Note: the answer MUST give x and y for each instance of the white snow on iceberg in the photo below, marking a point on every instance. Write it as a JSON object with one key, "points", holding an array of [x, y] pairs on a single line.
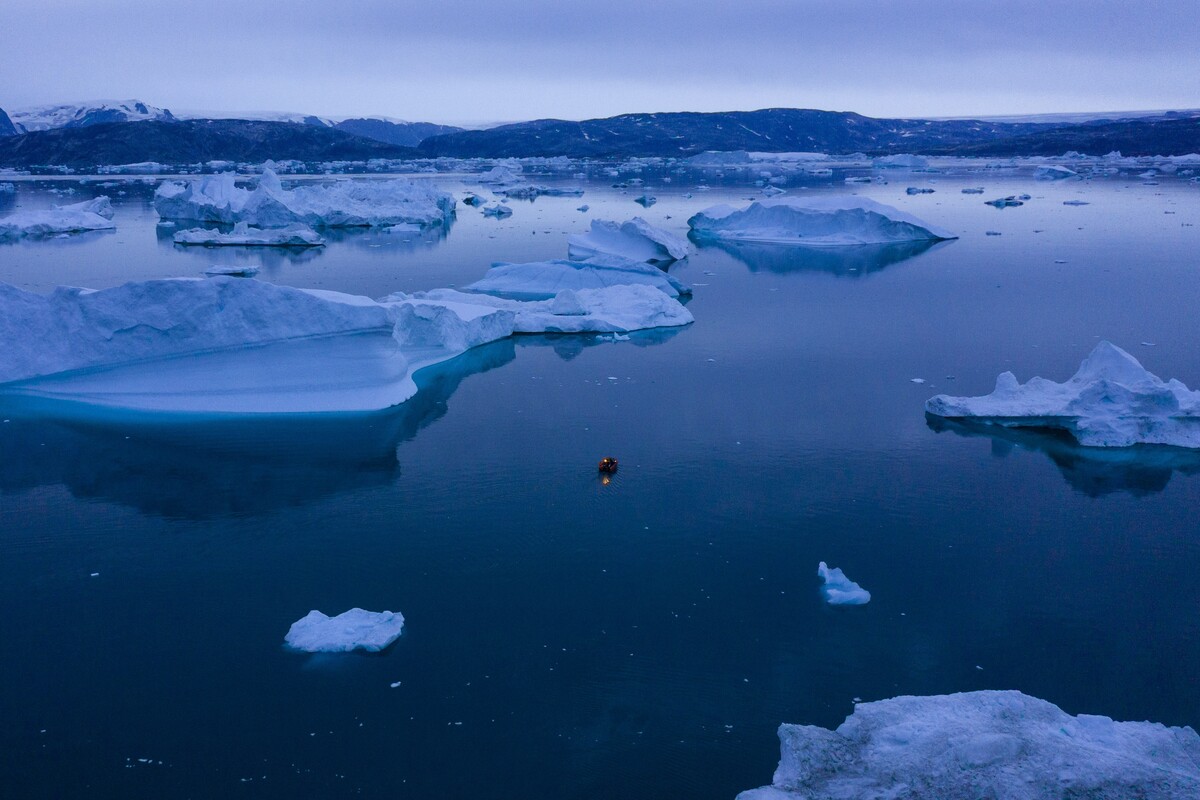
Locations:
{"points": [[542, 280], [338, 204], [815, 222], [296, 235], [355, 629], [840, 590], [636, 239], [1111, 401], [1001, 744], [90, 215]]}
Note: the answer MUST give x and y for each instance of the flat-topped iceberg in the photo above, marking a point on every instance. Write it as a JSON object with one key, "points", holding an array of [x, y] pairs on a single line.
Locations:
{"points": [[840, 590], [90, 215], [338, 204], [612, 309], [994, 744], [1053, 172], [355, 629], [832, 221], [1112, 401], [636, 239], [242, 235], [542, 280]]}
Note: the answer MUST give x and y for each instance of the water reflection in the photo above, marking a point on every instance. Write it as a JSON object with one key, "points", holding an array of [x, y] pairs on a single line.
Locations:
{"points": [[569, 345], [853, 262], [1094, 471], [197, 468]]}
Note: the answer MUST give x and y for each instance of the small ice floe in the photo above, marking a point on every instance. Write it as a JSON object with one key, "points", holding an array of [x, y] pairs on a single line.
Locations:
{"points": [[295, 235], [232, 270], [1111, 401], [911, 190], [973, 190], [646, 200], [844, 220], [1060, 261], [90, 215], [1005, 202], [355, 629], [982, 744], [395, 685], [473, 200], [917, 380], [498, 211], [840, 590], [1076, 203], [992, 233], [636, 239], [584, 208], [1053, 172]]}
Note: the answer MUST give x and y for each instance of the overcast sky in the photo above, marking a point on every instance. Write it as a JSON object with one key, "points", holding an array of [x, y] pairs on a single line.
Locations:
{"points": [[498, 60]]}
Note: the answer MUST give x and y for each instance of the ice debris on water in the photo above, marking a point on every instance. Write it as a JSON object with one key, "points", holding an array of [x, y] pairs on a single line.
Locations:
{"points": [[355, 629], [844, 220], [1111, 401], [1012, 201], [995, 744], [840, 590]]}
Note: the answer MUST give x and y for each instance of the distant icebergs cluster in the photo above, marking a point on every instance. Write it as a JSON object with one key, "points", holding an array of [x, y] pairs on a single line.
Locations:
{"points": [[1111, 401], [91, 215], [1001, 744]]}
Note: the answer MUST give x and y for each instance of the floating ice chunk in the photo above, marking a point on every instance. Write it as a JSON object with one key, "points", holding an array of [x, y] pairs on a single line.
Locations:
{"points": [[773, 191], [1075, 202], [911, 190], [295, 235], [7, 188], [505, 181], [584, 208], [355, 629], [1053, 172], [497, 211], [973, 190], [636, 239], [233, 271], [815, 222], [610, 309], [840, 590], [1005, 202], [542, 280], [903, 160], [1112, 401], [90, 215], [1001, 744], [645, 201], [339, 204]]}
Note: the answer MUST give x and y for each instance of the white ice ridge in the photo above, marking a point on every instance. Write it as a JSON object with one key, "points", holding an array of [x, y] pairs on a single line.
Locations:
{"points": [[295, 235], [636, 239], [814, 221], [90, 215], [355, 629], [994, 744], [339, 204], [840, 590], [542, 280], [1112, 401]]}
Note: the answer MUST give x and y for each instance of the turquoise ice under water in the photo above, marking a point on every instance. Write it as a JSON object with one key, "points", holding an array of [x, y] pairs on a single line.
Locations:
{"points": [[641, 638]]}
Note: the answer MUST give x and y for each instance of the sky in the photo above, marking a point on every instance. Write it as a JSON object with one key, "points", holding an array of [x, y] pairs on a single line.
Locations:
{"points": [[477, 61]]}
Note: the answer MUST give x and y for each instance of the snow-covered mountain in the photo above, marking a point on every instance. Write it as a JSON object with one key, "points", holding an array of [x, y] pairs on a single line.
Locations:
{"points": [[80, 115]]}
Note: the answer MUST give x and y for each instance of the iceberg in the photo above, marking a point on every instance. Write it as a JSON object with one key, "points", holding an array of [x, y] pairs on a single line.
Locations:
{"points": [[973, 190], [1012, 201], [611, 309], [295, 235], [834, 221], [505, 181], [911, 190], [248, 271], [355, 629], [840, 590], [542, 280], [902, 161], [1053, 172], [90, 215], [339, 204], [498, 211], [1111, 401], [636, 239], [994, 744]]}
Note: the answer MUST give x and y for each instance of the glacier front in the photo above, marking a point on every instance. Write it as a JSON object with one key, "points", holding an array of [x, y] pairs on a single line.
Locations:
{"points": [[1111, 401], [986, 744]]}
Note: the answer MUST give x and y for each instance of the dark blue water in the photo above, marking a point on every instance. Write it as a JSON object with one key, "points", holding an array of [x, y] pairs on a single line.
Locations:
{"points": [[642, 638]]}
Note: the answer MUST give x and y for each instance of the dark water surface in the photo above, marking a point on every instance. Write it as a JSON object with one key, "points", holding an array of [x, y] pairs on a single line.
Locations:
{"points": [[571, 639]]}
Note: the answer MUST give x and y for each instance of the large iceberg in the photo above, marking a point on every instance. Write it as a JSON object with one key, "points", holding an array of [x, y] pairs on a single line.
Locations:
{"points": [[90, 215], [542, 280], [831, 221], [1112, 401], [355, 629], [242, 235], [636, 239], [840, 590], [987, 744], [339, 204]]}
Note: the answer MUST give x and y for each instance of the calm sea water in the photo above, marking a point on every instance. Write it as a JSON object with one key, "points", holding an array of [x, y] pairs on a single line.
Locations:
{"points": [[567, 638]]}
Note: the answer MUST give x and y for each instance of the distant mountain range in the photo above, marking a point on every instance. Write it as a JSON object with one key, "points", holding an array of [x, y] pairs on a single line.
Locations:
{"points": [[89, 134], [189, 142], [790, 129]]}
